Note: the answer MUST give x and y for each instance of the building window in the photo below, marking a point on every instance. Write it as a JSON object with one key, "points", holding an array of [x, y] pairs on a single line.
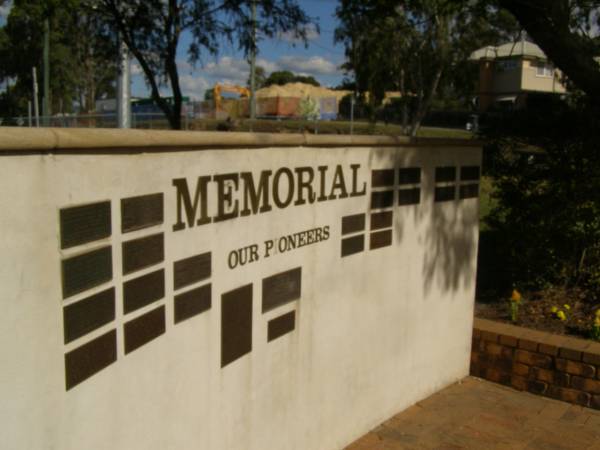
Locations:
{"points": [[544, 70]]}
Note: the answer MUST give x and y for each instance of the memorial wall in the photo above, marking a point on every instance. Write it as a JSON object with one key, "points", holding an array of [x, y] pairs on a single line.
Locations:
{"points": [[173, 290]]}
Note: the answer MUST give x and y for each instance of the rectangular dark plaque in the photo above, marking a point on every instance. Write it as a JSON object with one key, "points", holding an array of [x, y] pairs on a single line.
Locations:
{"points": [[143, 252], [90, 358], [352, 245], [141, 212], [143, 290], [192, 303], [383, 199], [281, 325], [468, 173], [82, 224], [353, 224], [444, 194], [409, 175], [447, 173], [236, 324], [409, 196], [381, 239], [469, 191], [383, 177], [381, 220], [191, 270], [86, 271], [281, 288], [88, 314], [144, 329]]}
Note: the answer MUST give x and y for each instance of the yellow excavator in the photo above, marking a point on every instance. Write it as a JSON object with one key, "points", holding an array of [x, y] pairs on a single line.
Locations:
{"points": [[244, 92]]}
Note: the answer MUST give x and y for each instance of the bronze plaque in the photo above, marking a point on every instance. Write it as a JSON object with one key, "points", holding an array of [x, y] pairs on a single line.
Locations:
{"points": [[281, 325], [141, 212], [88, 314], [468, 173], [192, 303], [447, 173], [191, 270], [143, 290], [469, 191], [90, 358], [409, 175], [144, 329], [381, 239], [352, 245], [381, 220], [444, 194], [383, 177], [86, 271], [384, 199], [353, 224], [143, 252], [236, 324], [281, 288], [82, 224], [409, 196]]}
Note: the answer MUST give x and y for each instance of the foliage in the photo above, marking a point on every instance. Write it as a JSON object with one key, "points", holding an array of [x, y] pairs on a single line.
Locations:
{"points": [[282, 77], [546, 165], [260, 76], [419, 47], [152, 30], [309, 109], [82, 67]]}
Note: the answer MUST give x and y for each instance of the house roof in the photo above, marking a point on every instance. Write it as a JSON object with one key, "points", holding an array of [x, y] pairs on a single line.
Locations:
{"points": [[519, 48]]}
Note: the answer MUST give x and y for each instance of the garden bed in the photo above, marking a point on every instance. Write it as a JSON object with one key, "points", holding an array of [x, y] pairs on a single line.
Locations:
{"points": [[541, 311]]}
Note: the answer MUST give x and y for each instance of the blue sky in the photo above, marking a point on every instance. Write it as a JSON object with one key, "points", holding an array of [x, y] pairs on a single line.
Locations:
{"points": [[321, 58]]}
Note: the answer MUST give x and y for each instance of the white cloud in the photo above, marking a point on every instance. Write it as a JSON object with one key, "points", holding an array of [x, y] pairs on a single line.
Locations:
{"points": [[227, 68], [269, 66], [193, 86], [292, 38], [314, 65], [136, 69]]}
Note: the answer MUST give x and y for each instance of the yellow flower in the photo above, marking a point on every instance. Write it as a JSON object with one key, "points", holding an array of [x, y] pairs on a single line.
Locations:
{"points": [[597, 322], [598, 313], [516, 296], [554, 310], [561, 315], [567, 307]]}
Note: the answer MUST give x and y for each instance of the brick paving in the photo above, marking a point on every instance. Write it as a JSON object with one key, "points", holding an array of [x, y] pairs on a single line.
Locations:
{"points": [[478, 414]]}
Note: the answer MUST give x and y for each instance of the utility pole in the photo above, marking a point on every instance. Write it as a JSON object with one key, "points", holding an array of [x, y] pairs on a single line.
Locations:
{"points": [[46, 108], [124, 87], [253, 65], [36, 107]]}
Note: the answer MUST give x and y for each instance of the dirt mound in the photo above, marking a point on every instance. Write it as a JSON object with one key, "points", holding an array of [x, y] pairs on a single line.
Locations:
{"points": [[300, 90]]}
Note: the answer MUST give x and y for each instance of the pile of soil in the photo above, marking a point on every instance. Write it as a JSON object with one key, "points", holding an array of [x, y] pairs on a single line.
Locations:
{"points": [[535, 311]]}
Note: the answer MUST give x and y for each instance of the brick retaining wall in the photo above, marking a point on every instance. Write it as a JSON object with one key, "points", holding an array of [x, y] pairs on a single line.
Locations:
{"points": [[546, 364]]}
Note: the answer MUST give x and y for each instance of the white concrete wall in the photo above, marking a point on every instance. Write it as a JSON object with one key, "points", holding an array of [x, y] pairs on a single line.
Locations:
{"points": [[375, 331]]}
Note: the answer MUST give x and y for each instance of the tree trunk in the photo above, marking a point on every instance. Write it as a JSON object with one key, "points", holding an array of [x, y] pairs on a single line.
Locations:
{"points": [[424, 106], [547, 22], [404, 102]]}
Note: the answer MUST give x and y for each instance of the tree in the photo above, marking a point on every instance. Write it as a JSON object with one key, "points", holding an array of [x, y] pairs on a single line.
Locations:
{"points": [[281, 77], [563, 29], [82, 62], [260, 76], [415, 46], [152, 30]]}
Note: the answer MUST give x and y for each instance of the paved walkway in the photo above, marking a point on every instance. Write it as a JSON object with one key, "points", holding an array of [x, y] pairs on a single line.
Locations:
{"points": [[477, 414]]}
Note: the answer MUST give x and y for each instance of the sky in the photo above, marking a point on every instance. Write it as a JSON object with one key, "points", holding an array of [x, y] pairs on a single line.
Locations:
{"points": [[321, 58]]}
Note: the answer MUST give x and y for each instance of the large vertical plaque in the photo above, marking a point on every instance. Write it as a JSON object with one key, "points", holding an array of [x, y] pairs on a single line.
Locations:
{"points": [[236, 324]]}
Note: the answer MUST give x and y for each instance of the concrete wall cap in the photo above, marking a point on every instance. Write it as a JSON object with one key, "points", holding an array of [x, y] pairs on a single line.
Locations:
{"points": [[50, 140]]}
